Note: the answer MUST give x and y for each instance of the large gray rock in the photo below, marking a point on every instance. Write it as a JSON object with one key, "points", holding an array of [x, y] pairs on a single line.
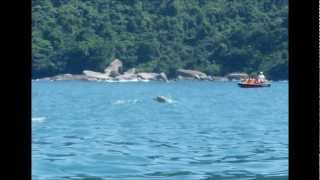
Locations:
{"points": [[163, 76], [96, 75], [131, 71], [186, 73], [126, 76], [65, 77], [114, 69], [76, 77], [237, 76], [148, 76], [179, 77], [45, 78], [152, 76]]}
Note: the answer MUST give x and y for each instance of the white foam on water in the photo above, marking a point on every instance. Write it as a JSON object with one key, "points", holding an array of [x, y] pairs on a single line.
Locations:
{"points": [[144, 80], [125, 81], [133, 80], [38, 119], [130, 101], [171, 101], [110, 81], [119, 102]]}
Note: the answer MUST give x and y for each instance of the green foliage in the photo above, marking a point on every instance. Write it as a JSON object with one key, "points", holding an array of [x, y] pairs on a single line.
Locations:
{"points": [[216, 37]]}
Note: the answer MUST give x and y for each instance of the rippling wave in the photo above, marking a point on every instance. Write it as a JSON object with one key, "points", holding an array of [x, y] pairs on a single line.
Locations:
{"points": [[133, 101]]}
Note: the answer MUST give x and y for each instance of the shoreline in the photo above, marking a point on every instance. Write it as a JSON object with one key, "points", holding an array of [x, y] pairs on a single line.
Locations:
{"points": [[114, 73], [141, 80]]}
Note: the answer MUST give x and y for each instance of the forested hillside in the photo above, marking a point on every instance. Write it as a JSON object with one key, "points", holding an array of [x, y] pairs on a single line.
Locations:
{"points": [[213, 36]]}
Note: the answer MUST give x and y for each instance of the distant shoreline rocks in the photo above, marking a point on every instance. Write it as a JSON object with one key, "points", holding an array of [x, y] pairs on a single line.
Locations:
{"points": [[114, 73], [114, 69], [64, 77], [187, 74], [237, 76]]}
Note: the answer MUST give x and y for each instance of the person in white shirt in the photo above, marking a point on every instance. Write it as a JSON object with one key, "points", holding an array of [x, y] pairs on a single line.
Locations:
{"points": [[261, 77]]}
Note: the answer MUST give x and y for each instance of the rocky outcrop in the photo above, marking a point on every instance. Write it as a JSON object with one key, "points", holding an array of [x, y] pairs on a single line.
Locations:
{"points": [[126, 76], [163, 76], [114, 69], [187, 74], [96, 75], [113, 72], [131, 71], [179, 77], [65, 77], [148, 76], [152, 76], [237, 76]]}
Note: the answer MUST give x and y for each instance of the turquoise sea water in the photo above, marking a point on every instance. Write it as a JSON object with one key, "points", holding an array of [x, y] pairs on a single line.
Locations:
{"points": [[210, 130]]}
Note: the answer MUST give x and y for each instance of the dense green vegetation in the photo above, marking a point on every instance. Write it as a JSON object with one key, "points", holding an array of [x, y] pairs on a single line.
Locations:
{"points": [[213, 36]]}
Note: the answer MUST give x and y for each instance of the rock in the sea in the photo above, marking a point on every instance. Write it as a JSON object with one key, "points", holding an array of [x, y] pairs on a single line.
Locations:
{"points": [[237, 76], [179, 77], [126, 76], [148, 76], [65, 77], [96, 75], [78, 77], [152, 76], [186, 73], [131, 71], [45, 79], [163, 76], [114, 69]]}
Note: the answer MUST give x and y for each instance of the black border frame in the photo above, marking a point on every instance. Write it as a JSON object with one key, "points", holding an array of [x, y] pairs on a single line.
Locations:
{"points": [[20, 59], [303, 90]]}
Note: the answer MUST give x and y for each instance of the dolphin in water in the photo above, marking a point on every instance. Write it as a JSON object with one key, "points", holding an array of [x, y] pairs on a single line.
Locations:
{"points": [[162, 99]]}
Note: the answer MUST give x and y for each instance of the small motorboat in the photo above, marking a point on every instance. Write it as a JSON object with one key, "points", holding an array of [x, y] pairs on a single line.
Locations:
{"points": [[254, 85], [255, 82]]}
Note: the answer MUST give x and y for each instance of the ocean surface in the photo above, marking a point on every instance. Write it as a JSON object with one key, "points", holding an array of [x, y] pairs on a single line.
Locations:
{"points": [[208, 131]]}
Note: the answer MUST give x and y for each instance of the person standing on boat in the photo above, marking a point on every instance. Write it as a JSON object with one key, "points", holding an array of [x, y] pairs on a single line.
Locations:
{"points": [[261, 77]]}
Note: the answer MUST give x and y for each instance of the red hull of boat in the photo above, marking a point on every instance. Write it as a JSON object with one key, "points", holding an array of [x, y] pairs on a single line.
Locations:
{"points": [[245, 85]]}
